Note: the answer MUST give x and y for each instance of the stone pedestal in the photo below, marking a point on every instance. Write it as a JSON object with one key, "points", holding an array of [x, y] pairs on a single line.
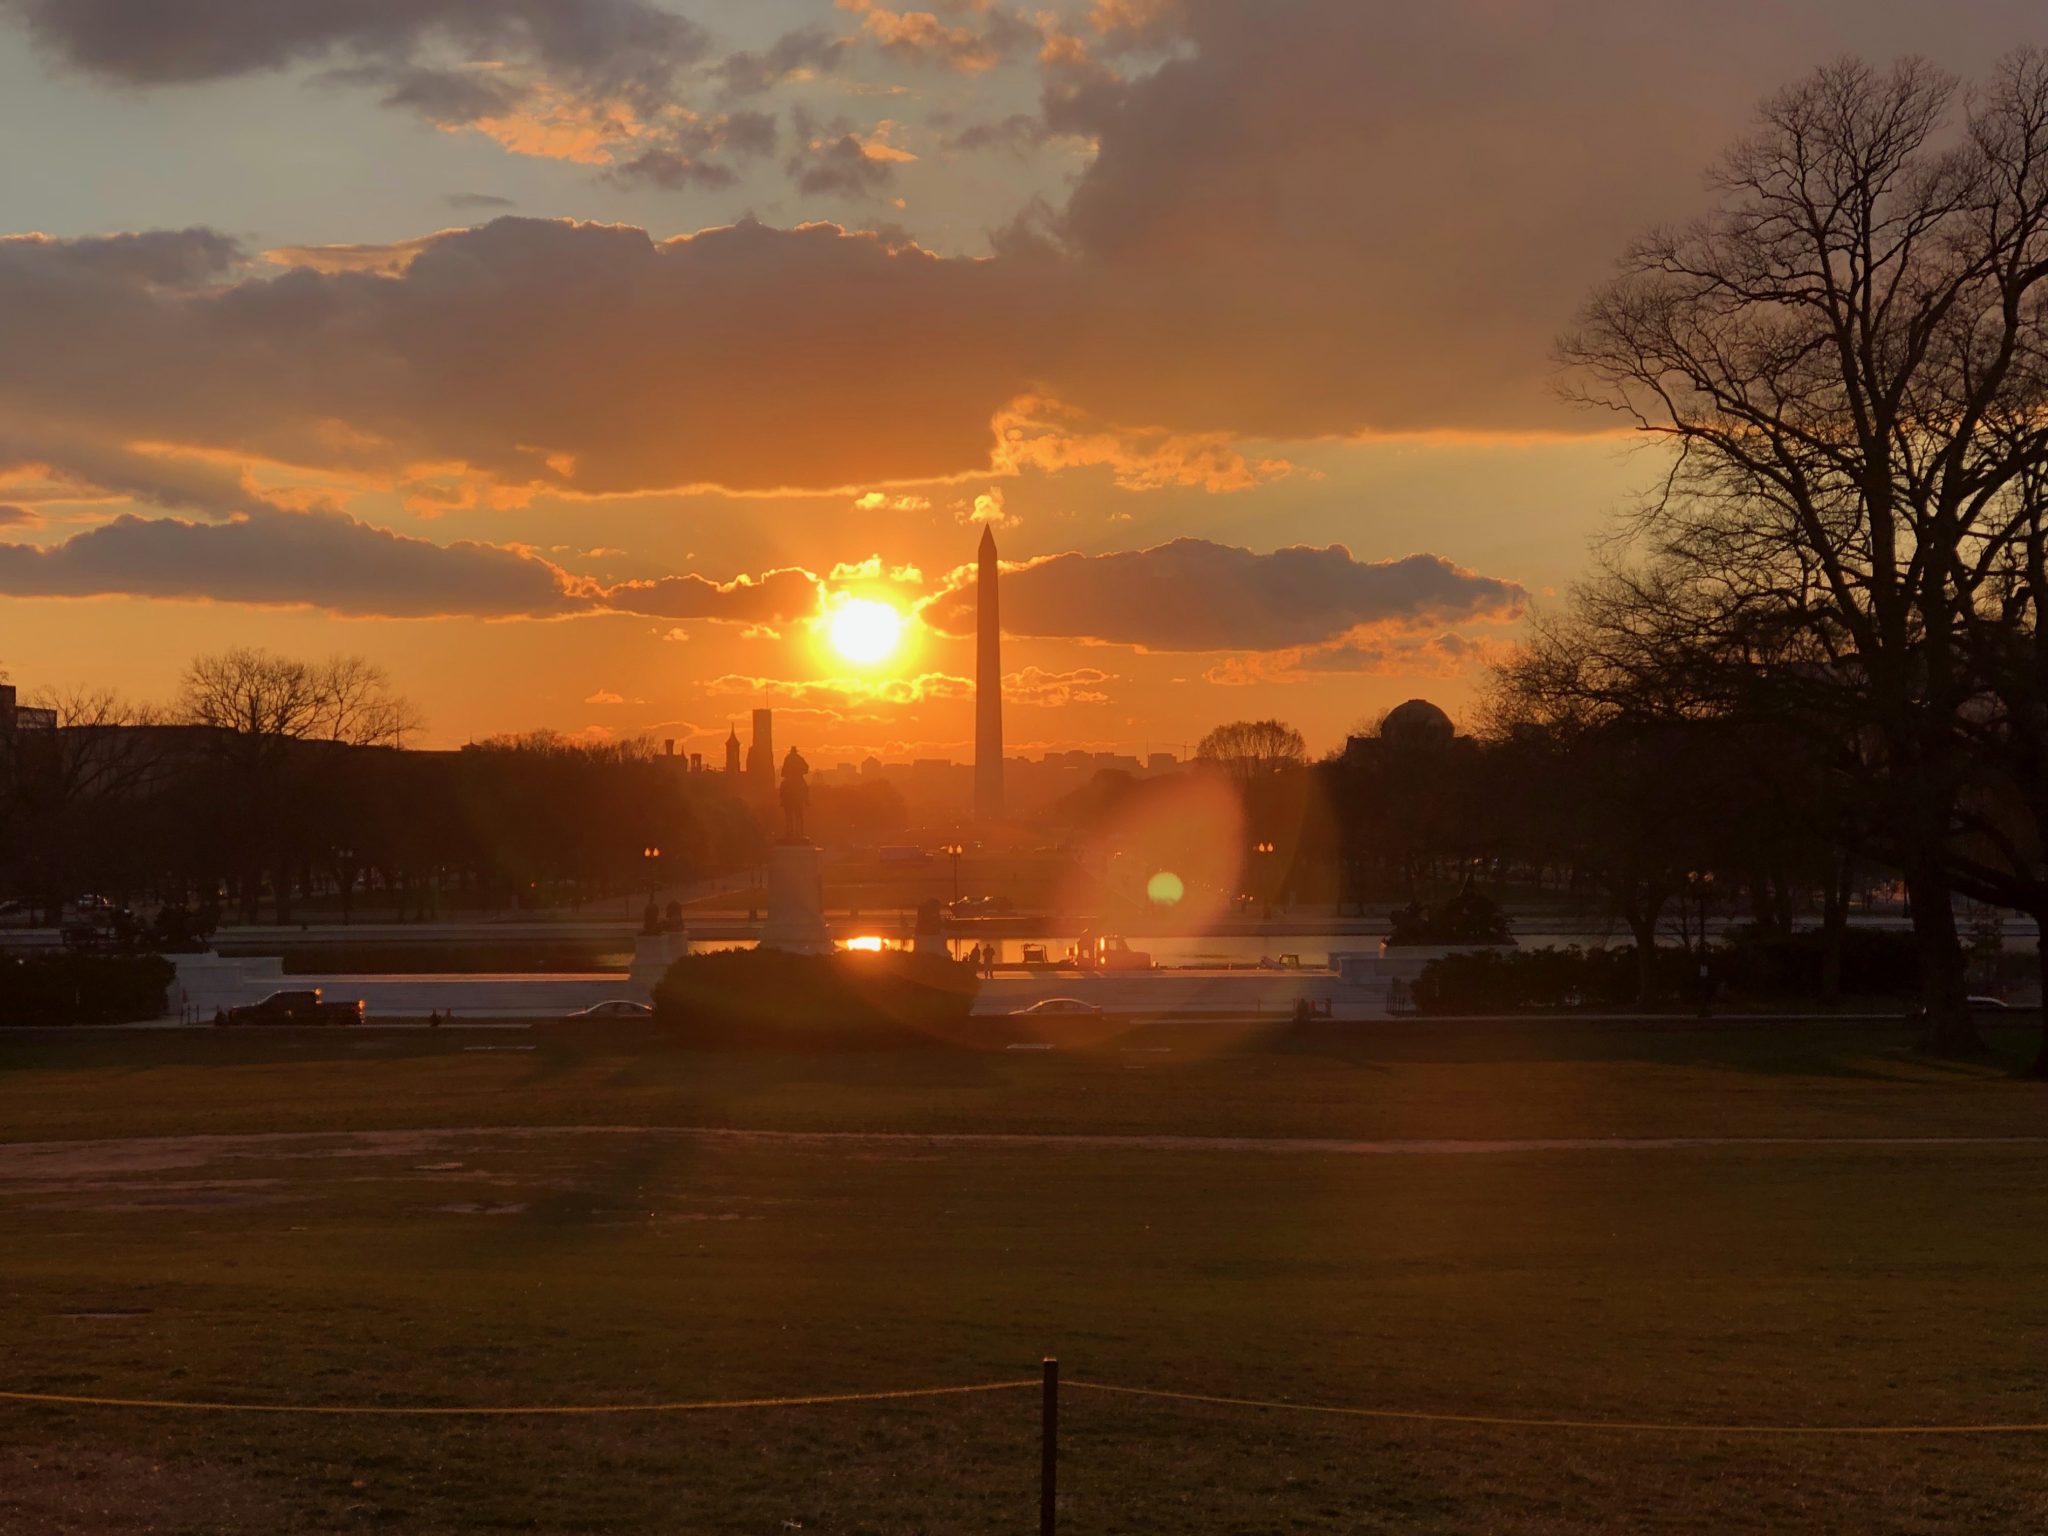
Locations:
{"points": [[653, 954], [796, 901]]}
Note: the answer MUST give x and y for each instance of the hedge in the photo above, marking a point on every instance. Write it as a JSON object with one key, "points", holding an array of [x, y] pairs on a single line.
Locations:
{"points": [[70, 987], [771, 999], [1873, 964]]}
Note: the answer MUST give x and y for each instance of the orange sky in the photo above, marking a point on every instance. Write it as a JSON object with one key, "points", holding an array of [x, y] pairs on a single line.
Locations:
{"points": [[571, 371]]}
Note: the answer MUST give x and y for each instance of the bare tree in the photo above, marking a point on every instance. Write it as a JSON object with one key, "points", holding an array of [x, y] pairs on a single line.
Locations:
{"points": [[64, 780], [277, 723], [1847, 357], [1253, 749]]}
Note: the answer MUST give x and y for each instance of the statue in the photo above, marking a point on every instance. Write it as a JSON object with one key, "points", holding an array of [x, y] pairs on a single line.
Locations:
{"points": [[796, 794]]}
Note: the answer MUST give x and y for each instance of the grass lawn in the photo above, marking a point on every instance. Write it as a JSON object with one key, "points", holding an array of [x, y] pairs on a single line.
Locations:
{"points": [[398, 1224]]}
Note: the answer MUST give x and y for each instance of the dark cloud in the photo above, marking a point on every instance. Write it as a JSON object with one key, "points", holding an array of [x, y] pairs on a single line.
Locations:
{"points": [[317, 560], [545, 77], [835, 162], [537, 352], [773, 597], [1018, 133], [95, 470], [1304, 219], [1322, 216], [1194, 595], [162, 42], [469, 200], [157, 258], [682, 160], [810, 50], [19, 517]]}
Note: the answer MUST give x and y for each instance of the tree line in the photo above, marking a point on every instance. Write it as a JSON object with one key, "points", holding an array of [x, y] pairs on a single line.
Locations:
{"points": [[270, 778]]}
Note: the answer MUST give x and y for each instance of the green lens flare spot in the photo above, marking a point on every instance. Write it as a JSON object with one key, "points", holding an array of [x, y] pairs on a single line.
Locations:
{"points": [[1165, 889]]}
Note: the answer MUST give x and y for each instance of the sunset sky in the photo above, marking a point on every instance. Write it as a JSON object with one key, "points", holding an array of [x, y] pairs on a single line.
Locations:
{"points": [[580, 363]]}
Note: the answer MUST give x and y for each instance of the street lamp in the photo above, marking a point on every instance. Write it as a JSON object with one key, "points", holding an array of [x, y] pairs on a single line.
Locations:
{"points": [[955, 849]]}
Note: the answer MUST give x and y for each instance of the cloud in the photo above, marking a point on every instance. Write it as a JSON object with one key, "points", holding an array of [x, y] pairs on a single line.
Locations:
{"points": [[1366, 650], [879, 501], [839, 162], [798, 55], [290, 559], [585, 82], [1302, 220], [1045, 435], [1194, 595], [474, 200], [987, 508], [19, 517], [1037, 686], [605, 696], [534, 352], [682, 156], [775, 596], [845, 690], [922, 37]]}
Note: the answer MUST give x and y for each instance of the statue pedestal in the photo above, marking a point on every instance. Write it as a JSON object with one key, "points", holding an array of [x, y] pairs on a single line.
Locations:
{"points": [[796, 901], [653, 954]]}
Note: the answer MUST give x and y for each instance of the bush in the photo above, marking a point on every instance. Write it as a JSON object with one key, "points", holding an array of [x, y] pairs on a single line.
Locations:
{"points": [[1874, 964], [76, 988], [1529, 979], [773, 1000], [1467, 918]]}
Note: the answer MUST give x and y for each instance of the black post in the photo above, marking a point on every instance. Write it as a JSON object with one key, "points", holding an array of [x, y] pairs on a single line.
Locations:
{"points": [[1048, 1450]]}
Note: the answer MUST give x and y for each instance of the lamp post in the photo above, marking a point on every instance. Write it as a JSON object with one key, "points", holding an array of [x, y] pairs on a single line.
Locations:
{"points": [[955, 849], [651, 857]]}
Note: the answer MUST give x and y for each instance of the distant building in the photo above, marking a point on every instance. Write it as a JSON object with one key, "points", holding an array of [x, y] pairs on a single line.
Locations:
{"points": [[1414, 724], [1161, 762], [761, 755], [732, 751]]}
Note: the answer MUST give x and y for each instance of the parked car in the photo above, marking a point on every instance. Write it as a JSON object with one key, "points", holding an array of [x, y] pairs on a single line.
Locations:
{"points": [[302, 1007], [1055, 1007], [1977, 1004], [616, 1008]]}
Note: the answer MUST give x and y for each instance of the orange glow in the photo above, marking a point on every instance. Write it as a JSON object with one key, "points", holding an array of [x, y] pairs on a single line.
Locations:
{"points": [[864, 630]]}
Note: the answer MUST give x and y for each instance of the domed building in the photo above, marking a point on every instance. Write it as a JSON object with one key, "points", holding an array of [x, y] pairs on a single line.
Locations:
{"points": [[1417, 723]]}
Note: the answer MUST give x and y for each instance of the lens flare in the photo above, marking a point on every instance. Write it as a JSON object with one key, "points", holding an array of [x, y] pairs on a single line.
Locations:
{"points": [[1165, 889], [864, 631]]}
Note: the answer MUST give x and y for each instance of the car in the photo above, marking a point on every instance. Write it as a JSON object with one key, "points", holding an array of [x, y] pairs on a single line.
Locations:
{"points": [[1055, 1007], [1976, 1002], [616, 1008], [305, 1006]]}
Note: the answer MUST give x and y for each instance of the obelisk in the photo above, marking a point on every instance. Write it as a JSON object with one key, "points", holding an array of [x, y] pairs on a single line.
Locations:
{"points": [[988, 687]]}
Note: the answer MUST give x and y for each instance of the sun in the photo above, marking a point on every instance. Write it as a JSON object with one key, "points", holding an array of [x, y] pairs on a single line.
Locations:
{"points": [[864, 631]]}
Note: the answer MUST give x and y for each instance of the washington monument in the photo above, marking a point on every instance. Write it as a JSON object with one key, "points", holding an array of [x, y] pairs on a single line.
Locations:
{"points": [[988, 687]]}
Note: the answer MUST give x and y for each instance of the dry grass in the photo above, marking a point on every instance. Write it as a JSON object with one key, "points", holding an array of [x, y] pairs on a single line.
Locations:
{"points": [[1790, 1283]]}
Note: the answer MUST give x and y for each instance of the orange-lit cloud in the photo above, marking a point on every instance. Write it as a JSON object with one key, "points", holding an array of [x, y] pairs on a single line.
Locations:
{"points": [[1195, 595]]}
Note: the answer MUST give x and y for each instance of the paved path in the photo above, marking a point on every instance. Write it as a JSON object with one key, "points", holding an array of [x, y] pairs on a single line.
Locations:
{"points": [[39, 1158]]}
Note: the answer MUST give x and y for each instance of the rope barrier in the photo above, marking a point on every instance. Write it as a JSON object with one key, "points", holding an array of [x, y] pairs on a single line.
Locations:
{"points": [[1507, 1421], [556, 1410], [1214, 1400]]}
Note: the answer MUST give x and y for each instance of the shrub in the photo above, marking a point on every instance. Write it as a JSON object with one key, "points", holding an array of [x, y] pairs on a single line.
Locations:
{"points": [[77, 988], [770, 999], [1494, 982]]}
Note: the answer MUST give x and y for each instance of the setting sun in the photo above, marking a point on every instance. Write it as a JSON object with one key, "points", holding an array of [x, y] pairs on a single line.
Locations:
{"points": [[864, 631]]}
